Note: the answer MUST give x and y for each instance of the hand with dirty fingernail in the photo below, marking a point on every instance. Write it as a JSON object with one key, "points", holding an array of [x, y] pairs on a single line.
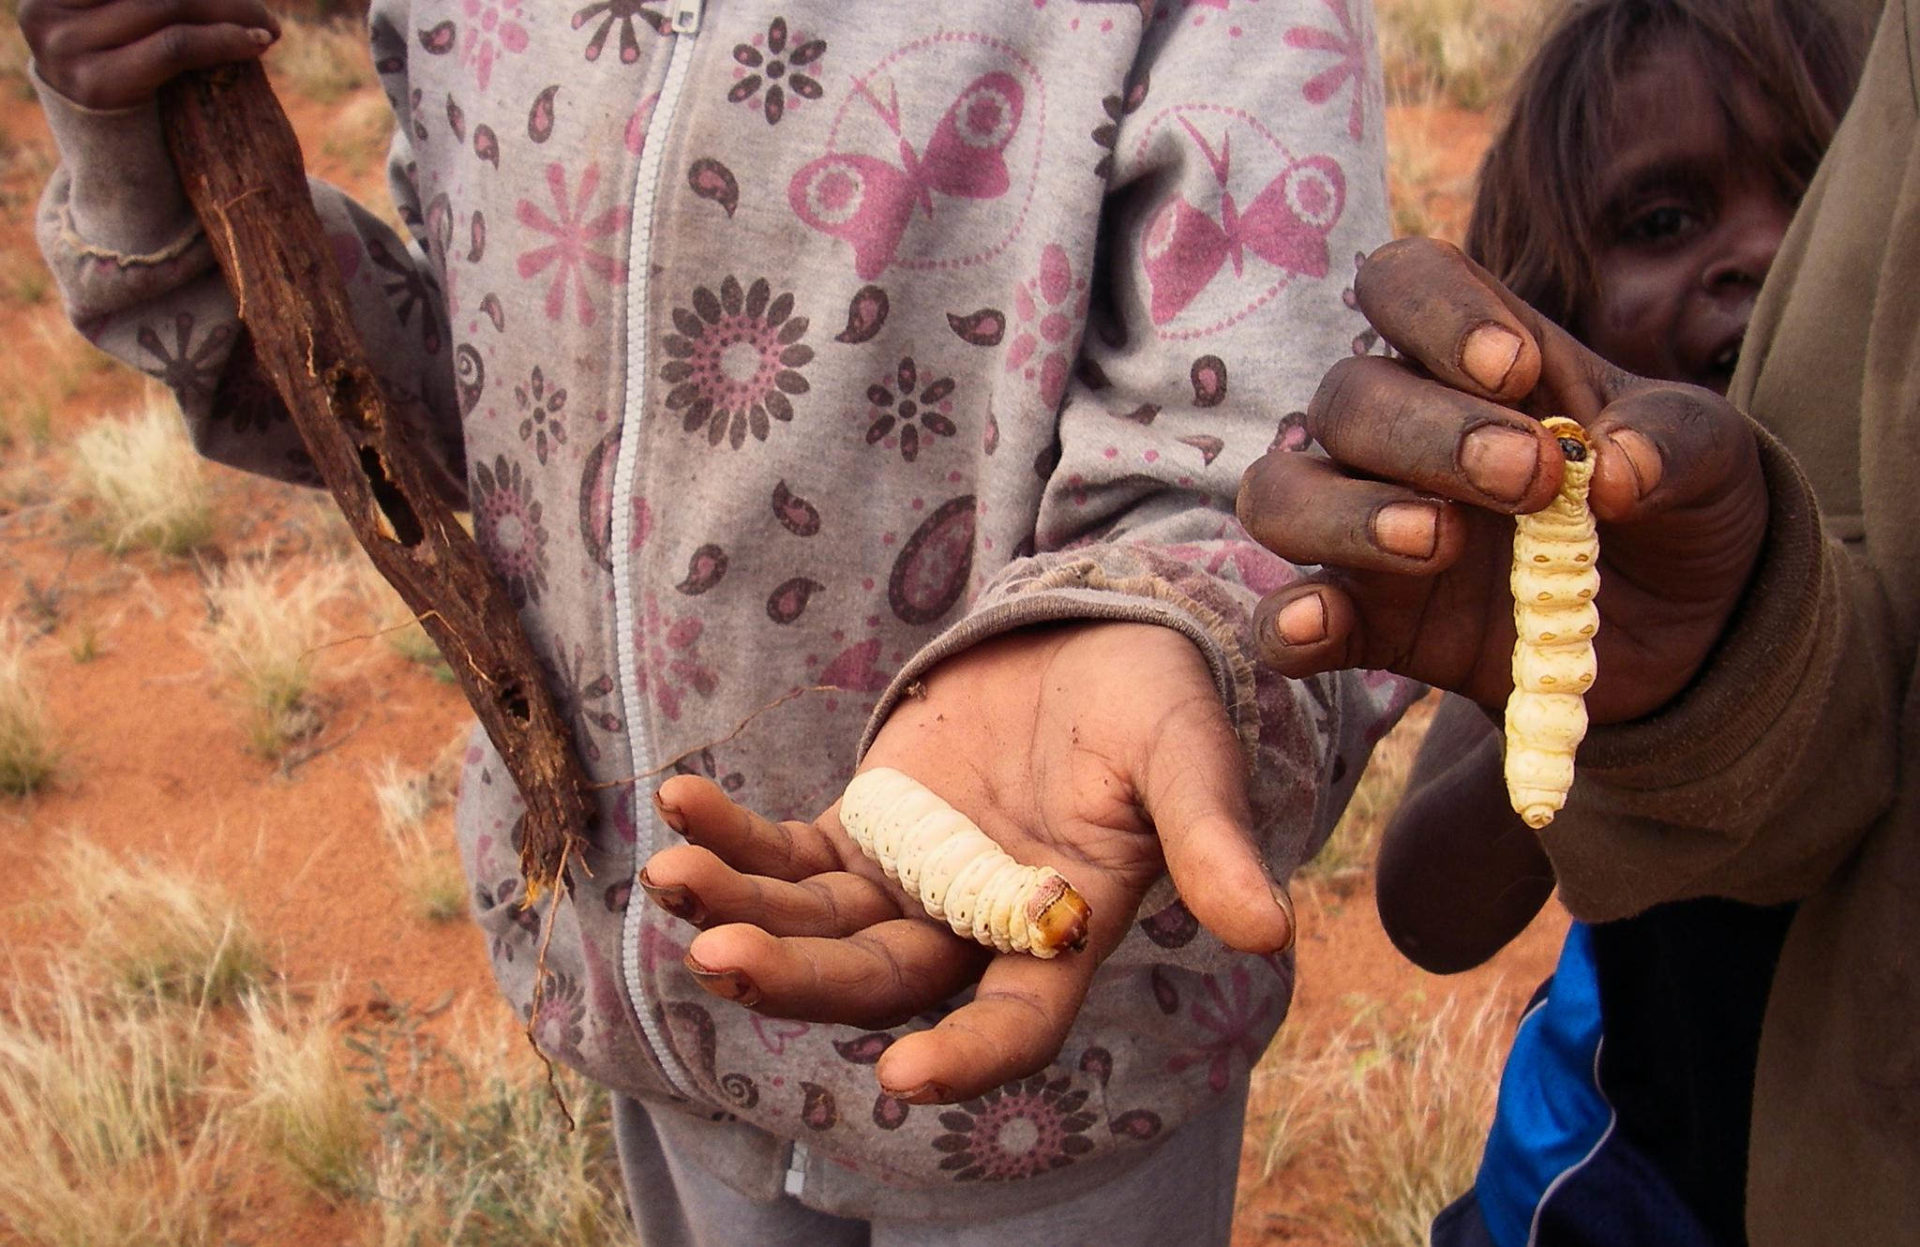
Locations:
{"points": [[731, 985], [675, 899], [1428, 457], [1099, 753]]}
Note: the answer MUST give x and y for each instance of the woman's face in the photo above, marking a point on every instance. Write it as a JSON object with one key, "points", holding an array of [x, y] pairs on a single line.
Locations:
{"points": [[1687, 228]]}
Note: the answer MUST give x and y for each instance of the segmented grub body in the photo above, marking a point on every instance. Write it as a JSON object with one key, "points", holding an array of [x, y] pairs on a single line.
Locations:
{"points": [[956, 872], [1555, 578]]}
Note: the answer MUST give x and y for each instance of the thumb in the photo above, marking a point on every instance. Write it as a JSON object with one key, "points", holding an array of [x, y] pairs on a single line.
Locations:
{"points": [[1196, 795]]}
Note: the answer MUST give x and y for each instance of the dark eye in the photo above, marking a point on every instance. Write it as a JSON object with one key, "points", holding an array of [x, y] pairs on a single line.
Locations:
{"points": [[1659, 224]]}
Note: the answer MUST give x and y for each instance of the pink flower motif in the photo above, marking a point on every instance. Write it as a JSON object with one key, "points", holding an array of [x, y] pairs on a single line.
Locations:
{"points": [[734, 360], [1052, 309], [1350, 45], [506, 524], [895, 401], [1016, 1131], [774, 63], [1232, 1019], [572, 253], [491, 29], [669, 659]]}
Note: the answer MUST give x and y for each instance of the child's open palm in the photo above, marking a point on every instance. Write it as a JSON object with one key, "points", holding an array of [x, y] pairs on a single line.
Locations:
{"points": [[1100, 749]]}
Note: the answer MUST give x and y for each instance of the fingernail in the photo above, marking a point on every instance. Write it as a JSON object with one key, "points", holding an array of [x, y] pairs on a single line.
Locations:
{"points": [[1642, 456], [261, 37], [675, 899], [727, 984], [925, 1093], [670, 815], [1409, 529], [1302, 621], [1500, 461], [1488, 355], [1284, 900]]}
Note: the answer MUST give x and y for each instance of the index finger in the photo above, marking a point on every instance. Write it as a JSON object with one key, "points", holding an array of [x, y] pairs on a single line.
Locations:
{"points": [[1441, 309]]}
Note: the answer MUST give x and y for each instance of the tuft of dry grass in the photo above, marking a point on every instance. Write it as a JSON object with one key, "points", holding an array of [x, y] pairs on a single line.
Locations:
{"points": [[430, 873], [394, 620], [1284, 1119], [159, 933], [303, 1106], [1347, 858], [493, 1164], [29, 755], [1415, 1111], [145, 482], [1399, 1111], [106, 1136], [323, 60], [361, 133], [1457, 52], [262, 636]]}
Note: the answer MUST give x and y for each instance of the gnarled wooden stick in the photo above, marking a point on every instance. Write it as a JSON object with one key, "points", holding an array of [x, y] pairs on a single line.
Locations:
{"points": [[243, 171]]}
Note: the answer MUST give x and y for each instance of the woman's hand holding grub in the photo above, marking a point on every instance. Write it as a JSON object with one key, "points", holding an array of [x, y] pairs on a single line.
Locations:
{"points": [[1428, 458]]}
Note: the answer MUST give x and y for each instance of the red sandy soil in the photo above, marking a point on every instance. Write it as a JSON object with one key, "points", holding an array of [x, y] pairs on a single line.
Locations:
{"points": [[156, 769]]}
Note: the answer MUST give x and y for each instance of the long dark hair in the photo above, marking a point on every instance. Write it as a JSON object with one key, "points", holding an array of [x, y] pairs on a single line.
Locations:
{"points": [[1536, 211]]}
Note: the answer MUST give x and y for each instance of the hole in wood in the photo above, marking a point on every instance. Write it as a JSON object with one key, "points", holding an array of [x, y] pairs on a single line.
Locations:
{"points": [[515, 702], [393, 504]]}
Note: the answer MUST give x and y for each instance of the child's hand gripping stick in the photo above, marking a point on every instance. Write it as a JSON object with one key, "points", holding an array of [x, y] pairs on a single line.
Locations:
{"points": [[1555, 578], [956, 872]]}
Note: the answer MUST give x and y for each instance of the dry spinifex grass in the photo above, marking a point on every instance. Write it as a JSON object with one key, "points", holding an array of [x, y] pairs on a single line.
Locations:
{"points": [[265, 629], [157, 932], [488, 1161], [302, 1106], [108, 1134], [321, 60], [112, 1120], [1457, 52], [139, 1108], [144, 482], [29, 753], [1401, 1109], [430, 873]]}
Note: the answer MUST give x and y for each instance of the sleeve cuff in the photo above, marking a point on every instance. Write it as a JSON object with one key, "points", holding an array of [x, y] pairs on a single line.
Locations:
{"points": [[124, 199], [1773, 645]]}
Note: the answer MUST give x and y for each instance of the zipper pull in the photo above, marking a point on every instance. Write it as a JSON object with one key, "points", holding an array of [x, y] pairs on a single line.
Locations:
{"points": [[686, 16]]}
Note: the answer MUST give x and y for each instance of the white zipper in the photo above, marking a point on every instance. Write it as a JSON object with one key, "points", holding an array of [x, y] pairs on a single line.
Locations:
{"points": [[686, 21]]}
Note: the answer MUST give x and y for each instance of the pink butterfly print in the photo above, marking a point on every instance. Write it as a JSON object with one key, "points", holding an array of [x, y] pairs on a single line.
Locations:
{"points": [[1286, 225], [869, 201]]}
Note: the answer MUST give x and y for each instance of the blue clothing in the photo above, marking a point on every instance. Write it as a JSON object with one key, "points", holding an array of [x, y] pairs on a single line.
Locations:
{"points": [[1623, 1110]]}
